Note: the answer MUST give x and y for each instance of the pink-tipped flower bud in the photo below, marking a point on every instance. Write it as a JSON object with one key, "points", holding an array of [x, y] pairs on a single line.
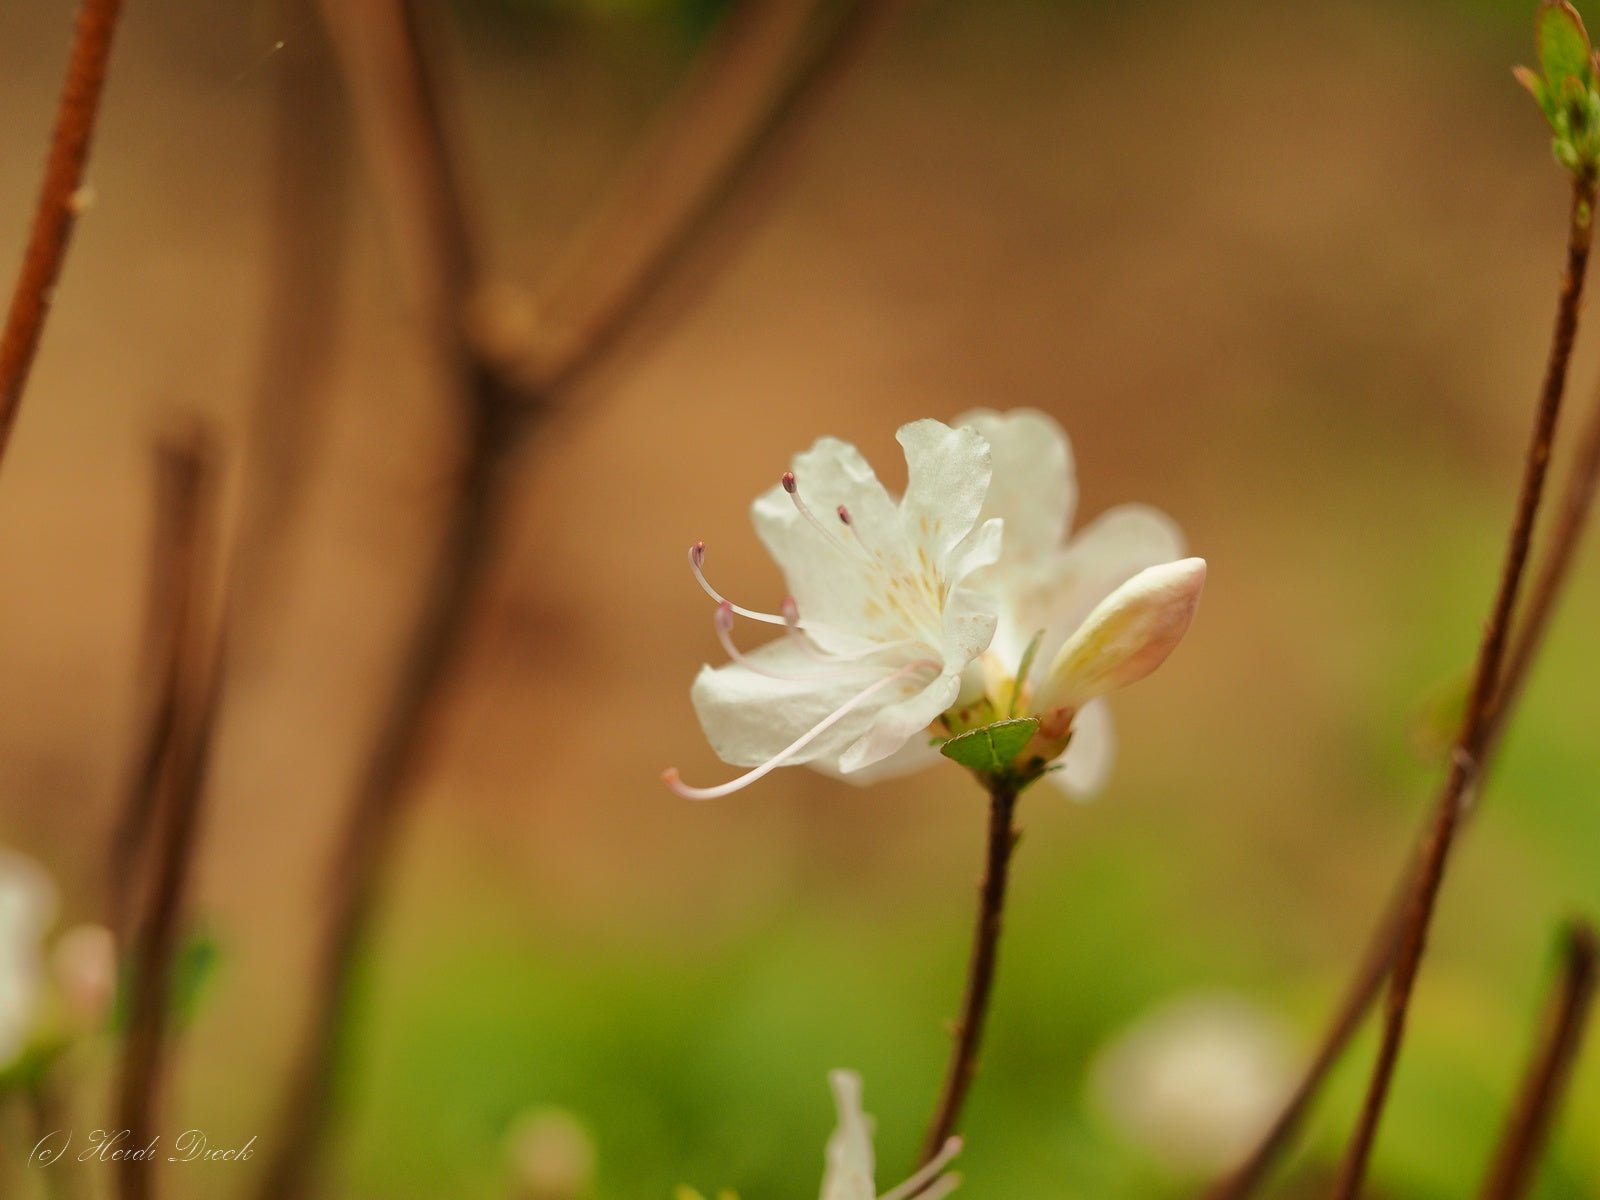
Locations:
{"points": [[1127, 635]]}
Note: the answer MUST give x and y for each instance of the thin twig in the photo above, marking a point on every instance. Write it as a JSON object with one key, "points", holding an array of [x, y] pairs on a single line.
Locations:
{"points": [[177, 820], [1570, 522], [1477, 728], [1528, 1126], [703, 149], [176, 550], [382, 52], [967, 1033], [60, 200], [1385, 945]]}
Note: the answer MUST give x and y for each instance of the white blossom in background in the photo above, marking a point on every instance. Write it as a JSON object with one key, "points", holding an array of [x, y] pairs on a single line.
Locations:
{"points": [[1195, 1082], [551, 1155], [27, 907], [910, 621], [850, 1162]]}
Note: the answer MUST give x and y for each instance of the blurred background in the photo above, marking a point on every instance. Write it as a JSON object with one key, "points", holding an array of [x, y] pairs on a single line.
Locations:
{"points": [[1284, 271]]}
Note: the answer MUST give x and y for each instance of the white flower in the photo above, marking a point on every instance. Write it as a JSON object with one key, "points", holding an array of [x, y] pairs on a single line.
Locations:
{"points": [[915, 618], [27, 907], [850, 1169], [1195, 1082], [881, 627]]}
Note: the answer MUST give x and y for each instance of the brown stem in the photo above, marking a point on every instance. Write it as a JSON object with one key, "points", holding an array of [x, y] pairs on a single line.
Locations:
{"points": [[177, 551], [1549, 581], [59, 203], [1386, 943], [1477, 728], [1528, 1126], [968, 1030], [175, 836], [1571, 520]]}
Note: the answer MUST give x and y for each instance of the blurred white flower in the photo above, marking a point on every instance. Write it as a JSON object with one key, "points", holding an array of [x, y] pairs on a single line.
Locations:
{"points": [[84, 964], [27, 907], [551, 1155], [850, 1166], [918, 617], [1196, 1081]]}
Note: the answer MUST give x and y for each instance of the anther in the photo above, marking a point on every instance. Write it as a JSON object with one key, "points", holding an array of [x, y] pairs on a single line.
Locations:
{"points": [[844, 514], [789, 485]]}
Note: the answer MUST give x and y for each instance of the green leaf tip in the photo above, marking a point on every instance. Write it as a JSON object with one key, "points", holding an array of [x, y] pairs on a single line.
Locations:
{"points": [[991, 748], [1563, 43], [1568, 90]]}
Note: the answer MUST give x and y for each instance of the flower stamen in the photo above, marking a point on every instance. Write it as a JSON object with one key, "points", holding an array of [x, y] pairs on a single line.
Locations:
{"points": [[924, 1184], [670, 775], [838, 543]]}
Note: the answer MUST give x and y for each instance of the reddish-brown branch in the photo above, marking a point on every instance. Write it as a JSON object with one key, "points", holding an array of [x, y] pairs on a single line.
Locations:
{"points": [[1545, 1083], [59, 202], [381, 46], [1477, 729], [968, 1029]]}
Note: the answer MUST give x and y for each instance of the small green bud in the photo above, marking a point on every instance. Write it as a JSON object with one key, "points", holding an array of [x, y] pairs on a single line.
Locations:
{"points": [[1568, 90]]}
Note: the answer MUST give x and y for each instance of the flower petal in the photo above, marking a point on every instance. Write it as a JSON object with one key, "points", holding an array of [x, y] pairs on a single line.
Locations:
{"points": [[1128, 635], [824, 577], [850, 1164], [1034, 487], [748, 717], [1058, 592], [947, 477], [1085, 768], [892, 727]]}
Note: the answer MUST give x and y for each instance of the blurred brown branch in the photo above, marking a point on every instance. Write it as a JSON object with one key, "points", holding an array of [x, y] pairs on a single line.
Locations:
{"points": [[305, 253], [60, 200], [173, 772], [1395, 926], [748, 90], [1528, 1125]]}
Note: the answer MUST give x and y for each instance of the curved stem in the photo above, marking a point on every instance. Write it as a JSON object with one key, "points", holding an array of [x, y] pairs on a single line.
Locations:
{"points": [[1477, 730], [59, 203], [968, 1030], [1554, 568]]}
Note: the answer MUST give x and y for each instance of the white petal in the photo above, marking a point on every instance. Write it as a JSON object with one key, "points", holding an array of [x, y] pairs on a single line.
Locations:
{"points": [[1083, 771], [970, 618], [894, 726], [749, 717], [850, 1165], [947, 476], [824, 578], [917, 754], [1128, 635], [1034, 487]]}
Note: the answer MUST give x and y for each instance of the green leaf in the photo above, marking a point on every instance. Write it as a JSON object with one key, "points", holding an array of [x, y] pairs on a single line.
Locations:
{"points": [[991, 747], [1564, 49]]}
